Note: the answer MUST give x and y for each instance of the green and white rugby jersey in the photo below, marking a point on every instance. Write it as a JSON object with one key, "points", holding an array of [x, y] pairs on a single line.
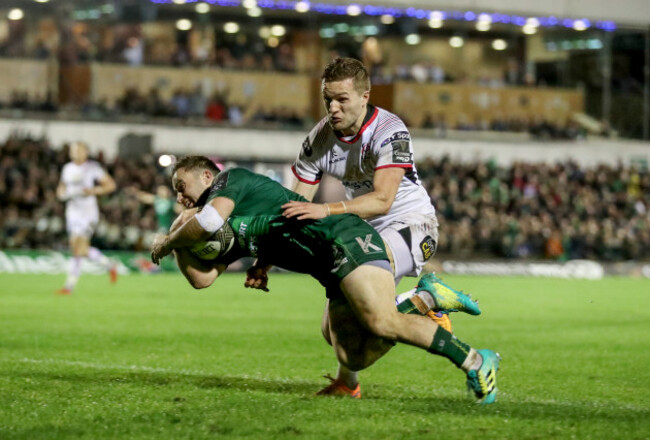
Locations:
{"points": [[327, 249]]}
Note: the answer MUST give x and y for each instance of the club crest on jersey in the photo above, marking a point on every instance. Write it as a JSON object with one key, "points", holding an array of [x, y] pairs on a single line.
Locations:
{"points": [[306, 147], [428, 247], [365, 149], [221, 182]]}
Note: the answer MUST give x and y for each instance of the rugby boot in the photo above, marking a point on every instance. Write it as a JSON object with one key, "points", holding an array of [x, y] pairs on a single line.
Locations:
{"points": [[483, 381], [447, 299], [339, 389]]}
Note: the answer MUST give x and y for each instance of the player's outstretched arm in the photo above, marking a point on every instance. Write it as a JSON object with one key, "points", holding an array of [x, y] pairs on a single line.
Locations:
{"points": [[198, 273], [198, 228]]}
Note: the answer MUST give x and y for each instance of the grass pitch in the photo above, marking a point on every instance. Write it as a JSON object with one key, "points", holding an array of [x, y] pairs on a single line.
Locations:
{"points": [[152, 358]]}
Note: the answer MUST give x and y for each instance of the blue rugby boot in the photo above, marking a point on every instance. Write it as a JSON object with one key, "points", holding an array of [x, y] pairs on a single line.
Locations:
{"points": [[447, 299], [483, 381]]}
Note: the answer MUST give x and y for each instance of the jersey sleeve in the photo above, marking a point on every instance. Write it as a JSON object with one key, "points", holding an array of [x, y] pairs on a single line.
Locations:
{"points": [[395, 148], [231, 184], [97, 171], [64, 174], [305, 168]]}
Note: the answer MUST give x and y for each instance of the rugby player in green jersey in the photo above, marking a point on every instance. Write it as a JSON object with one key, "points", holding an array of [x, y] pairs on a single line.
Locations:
{"points": [[345, 254]]}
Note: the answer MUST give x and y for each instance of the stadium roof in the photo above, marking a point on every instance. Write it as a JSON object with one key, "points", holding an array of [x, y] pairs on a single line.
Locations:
{"points": [[623, 12]]}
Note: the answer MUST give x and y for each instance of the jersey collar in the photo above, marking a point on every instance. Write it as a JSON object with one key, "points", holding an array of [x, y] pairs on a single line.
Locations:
{"points": [[371, 114], [203, 198]]}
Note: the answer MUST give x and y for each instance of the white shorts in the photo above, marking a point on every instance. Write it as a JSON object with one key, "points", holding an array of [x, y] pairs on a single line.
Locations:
{"points": [[81, 225], [412, 239]]}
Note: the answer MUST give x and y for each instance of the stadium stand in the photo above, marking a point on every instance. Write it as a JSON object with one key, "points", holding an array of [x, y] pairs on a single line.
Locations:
{"points": [[555, 211]]}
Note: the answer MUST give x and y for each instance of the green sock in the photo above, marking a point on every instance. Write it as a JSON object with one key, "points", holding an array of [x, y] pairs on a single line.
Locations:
{"points": [[447, 345], [416, 304], [407, 307]]}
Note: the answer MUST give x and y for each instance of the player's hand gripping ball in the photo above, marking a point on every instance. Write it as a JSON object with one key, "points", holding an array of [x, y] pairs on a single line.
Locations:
{"points": [[216, 246]]}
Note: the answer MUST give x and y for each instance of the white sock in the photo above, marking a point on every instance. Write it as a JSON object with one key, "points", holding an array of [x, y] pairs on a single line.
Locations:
{"points": [[473, 361], [348, 377], [74, 272], [96, 255], [404, 296]]}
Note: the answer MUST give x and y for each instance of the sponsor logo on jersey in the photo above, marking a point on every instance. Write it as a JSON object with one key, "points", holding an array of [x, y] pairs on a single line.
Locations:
{"points": [[401, 153], [397, 136], [337, 157], [367, 246], [306, 147], [339, 259], [428, 247], [354, 185]]}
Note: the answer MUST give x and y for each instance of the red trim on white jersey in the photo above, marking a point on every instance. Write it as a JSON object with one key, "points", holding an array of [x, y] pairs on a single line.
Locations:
{"points": [[363, 128], [295, 173], [394, 165]]}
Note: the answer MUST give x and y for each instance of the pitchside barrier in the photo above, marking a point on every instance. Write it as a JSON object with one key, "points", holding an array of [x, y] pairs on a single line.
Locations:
{"points": [[54, 262]]}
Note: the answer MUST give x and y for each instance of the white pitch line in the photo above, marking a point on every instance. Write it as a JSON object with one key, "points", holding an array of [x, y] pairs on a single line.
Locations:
{"points": [[143, 368]]}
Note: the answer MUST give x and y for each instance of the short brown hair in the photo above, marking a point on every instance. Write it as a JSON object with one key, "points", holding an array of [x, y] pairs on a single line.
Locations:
{"points": [[191, 163], [343, 68]]}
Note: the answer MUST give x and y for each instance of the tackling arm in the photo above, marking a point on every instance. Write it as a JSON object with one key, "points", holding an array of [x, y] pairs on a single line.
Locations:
{"points": [[306, 190], [378, 202]]}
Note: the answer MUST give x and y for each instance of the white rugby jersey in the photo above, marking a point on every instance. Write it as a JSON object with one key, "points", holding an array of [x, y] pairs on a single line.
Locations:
{"points": [[382, 142], [76, 178]]}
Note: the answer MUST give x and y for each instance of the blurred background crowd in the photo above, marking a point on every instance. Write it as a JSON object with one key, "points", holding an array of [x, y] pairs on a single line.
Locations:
{"points": [[491, 77], [528, 210], [473, 51]]}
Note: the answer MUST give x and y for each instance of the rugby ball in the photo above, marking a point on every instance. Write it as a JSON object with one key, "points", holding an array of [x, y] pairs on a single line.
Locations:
{"points": [[216, 246]]}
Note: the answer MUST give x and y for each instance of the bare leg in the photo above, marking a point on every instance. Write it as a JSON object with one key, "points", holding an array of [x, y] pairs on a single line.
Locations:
{"points": [[355, 346], [370, 292]]}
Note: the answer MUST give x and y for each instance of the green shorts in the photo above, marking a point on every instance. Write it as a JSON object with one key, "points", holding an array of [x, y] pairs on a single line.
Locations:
{"points": [[328, 249]]}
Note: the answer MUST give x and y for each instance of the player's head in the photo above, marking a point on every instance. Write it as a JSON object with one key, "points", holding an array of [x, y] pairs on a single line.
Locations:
{"points": [[78, 152], [191, 176], [346, 90]]}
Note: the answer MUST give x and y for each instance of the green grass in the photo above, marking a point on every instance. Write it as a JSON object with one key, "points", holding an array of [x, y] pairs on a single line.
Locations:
{"points": [[152, 358]]}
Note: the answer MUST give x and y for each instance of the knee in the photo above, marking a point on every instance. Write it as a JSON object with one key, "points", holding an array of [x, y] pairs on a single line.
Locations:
{"points": [[351, 360], [383, 327], [364, 355]]}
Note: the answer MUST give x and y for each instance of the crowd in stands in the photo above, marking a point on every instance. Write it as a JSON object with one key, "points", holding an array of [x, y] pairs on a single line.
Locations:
{"points": [[31, 216], [555, 211], [535, 210], [193, 105], [538, 128], [185, 105]]}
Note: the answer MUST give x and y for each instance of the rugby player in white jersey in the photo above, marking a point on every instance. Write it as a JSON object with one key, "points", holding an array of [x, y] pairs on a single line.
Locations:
{"points": [[82, 180], [370, 151]]}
